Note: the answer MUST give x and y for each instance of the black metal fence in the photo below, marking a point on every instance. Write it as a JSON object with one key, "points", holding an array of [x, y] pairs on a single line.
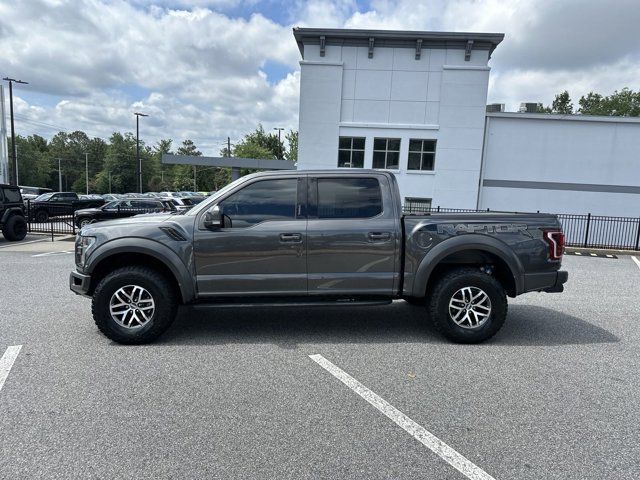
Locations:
{"points": [[587, 231], [51, 219]]}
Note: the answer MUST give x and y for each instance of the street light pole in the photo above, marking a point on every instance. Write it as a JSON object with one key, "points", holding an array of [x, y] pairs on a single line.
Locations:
{"points": [[279, 141], [59, 174], [139, 162], [86, 168], [14, 156]]}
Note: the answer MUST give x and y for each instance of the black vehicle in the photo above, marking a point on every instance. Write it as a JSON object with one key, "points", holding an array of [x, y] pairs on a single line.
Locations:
{"points": [[12, 221], [57, 204], [122, 209]]}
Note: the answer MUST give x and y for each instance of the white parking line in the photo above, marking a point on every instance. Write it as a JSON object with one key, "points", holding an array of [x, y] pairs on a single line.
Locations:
{"points": [[636, 260], [433, 443], [6, 362], [46, 254]]}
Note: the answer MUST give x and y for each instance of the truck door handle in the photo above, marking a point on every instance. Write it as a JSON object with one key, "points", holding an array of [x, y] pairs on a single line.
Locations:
{"points": [[379, 236], [291, 237]]}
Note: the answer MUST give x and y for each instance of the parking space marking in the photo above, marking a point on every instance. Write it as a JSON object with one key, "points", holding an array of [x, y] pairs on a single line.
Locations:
{"points": [[47, 254], [429, 440], [636, 260], [6, 362]]}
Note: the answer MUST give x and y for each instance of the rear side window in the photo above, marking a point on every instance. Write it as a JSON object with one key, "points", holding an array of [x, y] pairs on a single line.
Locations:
{"points": [[349, 198], [12, 195]]}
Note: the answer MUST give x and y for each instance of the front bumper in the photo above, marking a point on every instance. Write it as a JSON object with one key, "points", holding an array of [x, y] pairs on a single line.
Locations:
{"points": [[79, 283], [550, 282]]}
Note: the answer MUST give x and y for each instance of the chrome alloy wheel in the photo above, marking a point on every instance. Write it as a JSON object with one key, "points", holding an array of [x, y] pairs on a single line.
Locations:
{"points": [[132, 306], [470, 307]]}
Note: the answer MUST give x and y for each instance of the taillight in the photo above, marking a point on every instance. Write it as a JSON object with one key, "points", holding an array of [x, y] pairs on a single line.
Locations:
{"points": [[555, 239]]}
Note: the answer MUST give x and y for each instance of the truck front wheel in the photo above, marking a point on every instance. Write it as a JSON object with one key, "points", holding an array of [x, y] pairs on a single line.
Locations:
{"points": [[134, 305], [467, 305]]}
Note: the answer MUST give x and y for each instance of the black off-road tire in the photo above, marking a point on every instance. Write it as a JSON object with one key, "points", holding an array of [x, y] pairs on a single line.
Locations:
{"points": [[15, 229], [447, 286], [160, 288]]}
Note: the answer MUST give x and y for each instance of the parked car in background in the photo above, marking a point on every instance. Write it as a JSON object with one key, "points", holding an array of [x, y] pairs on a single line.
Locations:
{"points": [[29, 193], [55, 204], [12, 221], [122, 209], [110, 197]]}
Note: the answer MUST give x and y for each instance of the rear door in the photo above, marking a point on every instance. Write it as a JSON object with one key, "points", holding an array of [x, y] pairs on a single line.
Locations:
{"points": [[353, 244]]}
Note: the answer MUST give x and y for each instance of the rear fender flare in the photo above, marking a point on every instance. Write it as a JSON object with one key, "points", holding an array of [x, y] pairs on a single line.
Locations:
{"points": [[467, 242]]}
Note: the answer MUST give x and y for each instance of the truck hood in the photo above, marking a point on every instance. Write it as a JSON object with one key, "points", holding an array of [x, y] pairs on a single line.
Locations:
{"points": [[143, 219]]}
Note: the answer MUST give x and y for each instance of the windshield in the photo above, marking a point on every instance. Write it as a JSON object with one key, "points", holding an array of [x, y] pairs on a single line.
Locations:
{"points": [[212, 199], [44, 197]]}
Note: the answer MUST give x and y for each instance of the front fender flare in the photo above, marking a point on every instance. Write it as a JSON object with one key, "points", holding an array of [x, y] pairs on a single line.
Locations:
{"points": [[160, 252], [467, 242]]}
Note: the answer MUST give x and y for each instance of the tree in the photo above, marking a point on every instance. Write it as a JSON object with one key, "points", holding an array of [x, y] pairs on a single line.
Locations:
{"points": [[623, 103], [292, 152], [562, 104]]}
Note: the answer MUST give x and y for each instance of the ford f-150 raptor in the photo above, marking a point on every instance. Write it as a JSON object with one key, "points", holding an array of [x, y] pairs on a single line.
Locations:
{"points": [[315, 238]]}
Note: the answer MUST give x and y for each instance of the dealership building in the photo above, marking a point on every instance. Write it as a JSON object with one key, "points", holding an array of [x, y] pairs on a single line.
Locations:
{"points": [[414, 103]]}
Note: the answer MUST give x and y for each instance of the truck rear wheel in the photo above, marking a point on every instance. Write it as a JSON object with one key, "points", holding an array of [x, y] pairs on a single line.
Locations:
{"points": [[15, 228], [467, 305], [134, 305]]}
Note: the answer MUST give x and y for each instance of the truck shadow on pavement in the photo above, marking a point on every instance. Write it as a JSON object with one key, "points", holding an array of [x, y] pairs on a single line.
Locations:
{"points": [[395, 323]]}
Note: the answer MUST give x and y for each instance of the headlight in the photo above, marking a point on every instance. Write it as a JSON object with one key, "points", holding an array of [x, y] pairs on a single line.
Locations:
{"points": [[83, 244]]}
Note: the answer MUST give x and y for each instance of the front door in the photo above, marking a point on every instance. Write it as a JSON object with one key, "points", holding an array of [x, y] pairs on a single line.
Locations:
{"points": [[260, 249], [353, 244]]}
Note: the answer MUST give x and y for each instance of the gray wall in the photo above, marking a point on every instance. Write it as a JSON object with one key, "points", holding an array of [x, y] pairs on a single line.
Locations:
{"points": [[562, 164]]}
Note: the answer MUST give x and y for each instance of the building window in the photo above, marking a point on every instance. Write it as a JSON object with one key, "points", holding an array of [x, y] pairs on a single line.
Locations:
{"points": [[422, 154], [386, 153], [351, 152], [416, 204]]}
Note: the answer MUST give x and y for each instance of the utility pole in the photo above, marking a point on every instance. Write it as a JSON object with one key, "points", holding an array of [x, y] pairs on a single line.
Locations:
{"points": [[86, 168], [279, 142], [228, 146], [14, 156], [59, 174], [109, 181], [17, 170], [195, 180], [139, 162]]}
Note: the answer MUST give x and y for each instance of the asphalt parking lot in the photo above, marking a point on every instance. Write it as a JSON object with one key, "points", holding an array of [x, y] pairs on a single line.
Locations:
{"points": [[234, 393]]}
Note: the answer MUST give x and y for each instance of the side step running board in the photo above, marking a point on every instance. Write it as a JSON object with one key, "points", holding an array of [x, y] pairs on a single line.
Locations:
{"points": [[283, 304]]}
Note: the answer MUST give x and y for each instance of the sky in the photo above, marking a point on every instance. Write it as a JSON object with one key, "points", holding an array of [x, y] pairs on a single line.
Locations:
{"points": [[208, 69]]}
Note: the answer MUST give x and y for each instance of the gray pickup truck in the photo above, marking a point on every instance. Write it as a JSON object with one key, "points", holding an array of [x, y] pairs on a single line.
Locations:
{"points": [[305, 238]]}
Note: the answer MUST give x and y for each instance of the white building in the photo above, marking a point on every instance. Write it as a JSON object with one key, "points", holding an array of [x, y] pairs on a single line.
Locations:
{"points": [[414, 103], [410, 102], [561, 163]]}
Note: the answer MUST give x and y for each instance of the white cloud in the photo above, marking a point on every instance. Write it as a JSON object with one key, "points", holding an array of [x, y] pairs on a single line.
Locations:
{"points": [[200, 73]]}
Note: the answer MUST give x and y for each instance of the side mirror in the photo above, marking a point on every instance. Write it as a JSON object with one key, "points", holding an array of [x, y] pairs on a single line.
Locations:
{"points": [[212, 218]]}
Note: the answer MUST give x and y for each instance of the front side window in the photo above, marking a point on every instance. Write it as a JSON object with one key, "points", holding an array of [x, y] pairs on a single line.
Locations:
{"points": [[351, 152], [422, 155], [349, 198], [386, 153], [260, 202]]}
